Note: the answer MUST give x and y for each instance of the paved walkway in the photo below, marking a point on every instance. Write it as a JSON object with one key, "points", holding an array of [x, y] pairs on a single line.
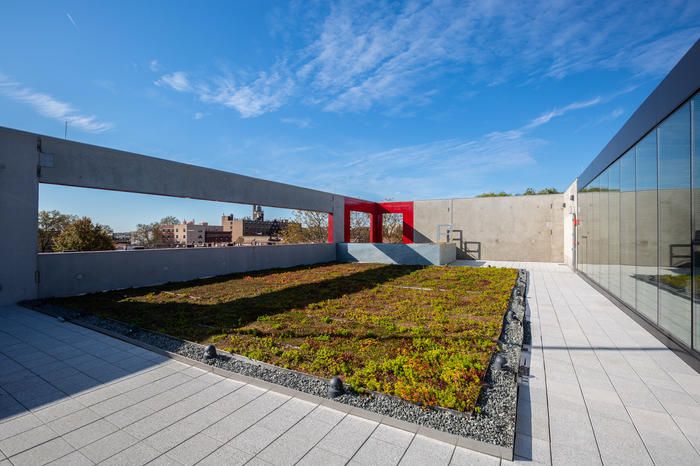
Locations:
{"points": [[601, 390]]}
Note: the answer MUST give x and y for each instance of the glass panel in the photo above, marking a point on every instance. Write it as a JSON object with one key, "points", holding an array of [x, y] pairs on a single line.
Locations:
{"points": [[646, 216], [674, 224], [627, 229], [614, 229], [696, 218], [595, 187], [582, 222], [603, 231]]}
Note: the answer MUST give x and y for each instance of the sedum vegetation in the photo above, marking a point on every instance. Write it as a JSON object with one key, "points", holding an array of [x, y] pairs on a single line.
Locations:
{"points": [[425, 334]]}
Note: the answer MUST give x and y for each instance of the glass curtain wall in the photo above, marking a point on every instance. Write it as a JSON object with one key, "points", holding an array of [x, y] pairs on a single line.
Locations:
{"points": [[639, 230]]}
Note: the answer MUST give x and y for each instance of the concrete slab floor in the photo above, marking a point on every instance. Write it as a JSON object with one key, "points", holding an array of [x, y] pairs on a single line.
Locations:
{"points": [[69, 395]]}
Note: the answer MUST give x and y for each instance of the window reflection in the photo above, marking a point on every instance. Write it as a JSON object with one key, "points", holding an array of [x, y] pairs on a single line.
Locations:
{"points": [[646, 217], [628, 230], [674, 224], [614, 228]]}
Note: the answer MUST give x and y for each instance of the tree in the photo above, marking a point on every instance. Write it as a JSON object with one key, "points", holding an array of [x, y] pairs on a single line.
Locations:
{"points": [[51, 225], [148, 235], [83, 235], [529, 192], [492, 194], [548, 191], [392, 228], [307, 227], [169, 220], [359, 227]]}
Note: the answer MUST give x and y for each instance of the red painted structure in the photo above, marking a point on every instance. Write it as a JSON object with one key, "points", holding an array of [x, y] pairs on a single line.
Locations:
{"points": [[376, 211]]}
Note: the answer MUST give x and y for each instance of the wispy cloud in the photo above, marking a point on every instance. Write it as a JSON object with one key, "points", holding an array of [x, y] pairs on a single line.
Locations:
{"points": [[266, 93], [442, 168], [177, 81], [390, 55], [155, 66], [298, 122], [48, 106], [199, 115], [70, 18], [557, 112]]}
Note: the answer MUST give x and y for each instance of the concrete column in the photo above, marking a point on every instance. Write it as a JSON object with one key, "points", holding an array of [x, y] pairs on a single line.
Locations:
{"points": [[19, 200], [375, 227], [336, 221]]}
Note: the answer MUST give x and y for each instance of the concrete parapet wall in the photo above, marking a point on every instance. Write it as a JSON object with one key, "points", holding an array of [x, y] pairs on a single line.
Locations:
{"points": [[517, 228], [68, 274], [404, 254]]}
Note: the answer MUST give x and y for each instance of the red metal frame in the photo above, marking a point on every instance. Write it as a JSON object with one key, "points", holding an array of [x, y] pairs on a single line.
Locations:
{"points": [[376, 211]]}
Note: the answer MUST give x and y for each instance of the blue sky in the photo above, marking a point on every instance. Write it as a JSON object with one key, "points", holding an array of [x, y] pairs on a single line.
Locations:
{"points": [[394, 100]]}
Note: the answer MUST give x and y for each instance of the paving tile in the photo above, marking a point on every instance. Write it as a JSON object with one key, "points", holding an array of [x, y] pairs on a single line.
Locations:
{"points": [[691, 429], [378, 452], [424, 451], [619, 442], [18, 425], [42, 454], [564, 455], [226, 455], [348, 436], [532, 449], [58, 410], [392, 435], [665, 442], [26, 440], [73, 421], [108, 446], [293, 444], [90, 433], [194, 449], [463, 457], [73, 459], [139, 453], [232, 425]]}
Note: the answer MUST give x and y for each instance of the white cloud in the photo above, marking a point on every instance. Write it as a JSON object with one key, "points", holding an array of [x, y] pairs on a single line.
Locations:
{"points": [[199, 115], [155, 66], [48, 106], [265, 94], [390, 56], [177, 81], [298, 122], [557, 112], [70, 18]]}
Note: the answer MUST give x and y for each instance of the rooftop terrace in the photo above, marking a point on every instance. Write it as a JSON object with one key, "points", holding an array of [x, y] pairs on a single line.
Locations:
{"points": [[601, 390]]}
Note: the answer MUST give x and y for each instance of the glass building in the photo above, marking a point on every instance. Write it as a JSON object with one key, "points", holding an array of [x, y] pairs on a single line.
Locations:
{"points": [[638, 223]]}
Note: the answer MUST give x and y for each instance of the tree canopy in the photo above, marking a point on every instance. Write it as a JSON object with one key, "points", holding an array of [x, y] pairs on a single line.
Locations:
{"points": [[51, 225], [83, 235]]}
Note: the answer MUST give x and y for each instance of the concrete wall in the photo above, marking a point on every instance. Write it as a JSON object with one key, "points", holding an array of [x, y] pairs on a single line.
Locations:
{"points": [[73, 273], [28, 159], [519, 228], [406, 254]]}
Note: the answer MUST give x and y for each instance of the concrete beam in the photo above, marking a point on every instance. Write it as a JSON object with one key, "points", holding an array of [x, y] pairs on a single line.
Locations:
{"points": [[72, 163]]}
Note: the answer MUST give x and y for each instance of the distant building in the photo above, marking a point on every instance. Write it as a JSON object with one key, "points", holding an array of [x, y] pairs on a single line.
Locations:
{"points": [[187, 233], [121, 239]]}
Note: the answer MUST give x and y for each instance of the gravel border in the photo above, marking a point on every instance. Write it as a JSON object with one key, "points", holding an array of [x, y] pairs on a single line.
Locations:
{"points": [[492, 422]]}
